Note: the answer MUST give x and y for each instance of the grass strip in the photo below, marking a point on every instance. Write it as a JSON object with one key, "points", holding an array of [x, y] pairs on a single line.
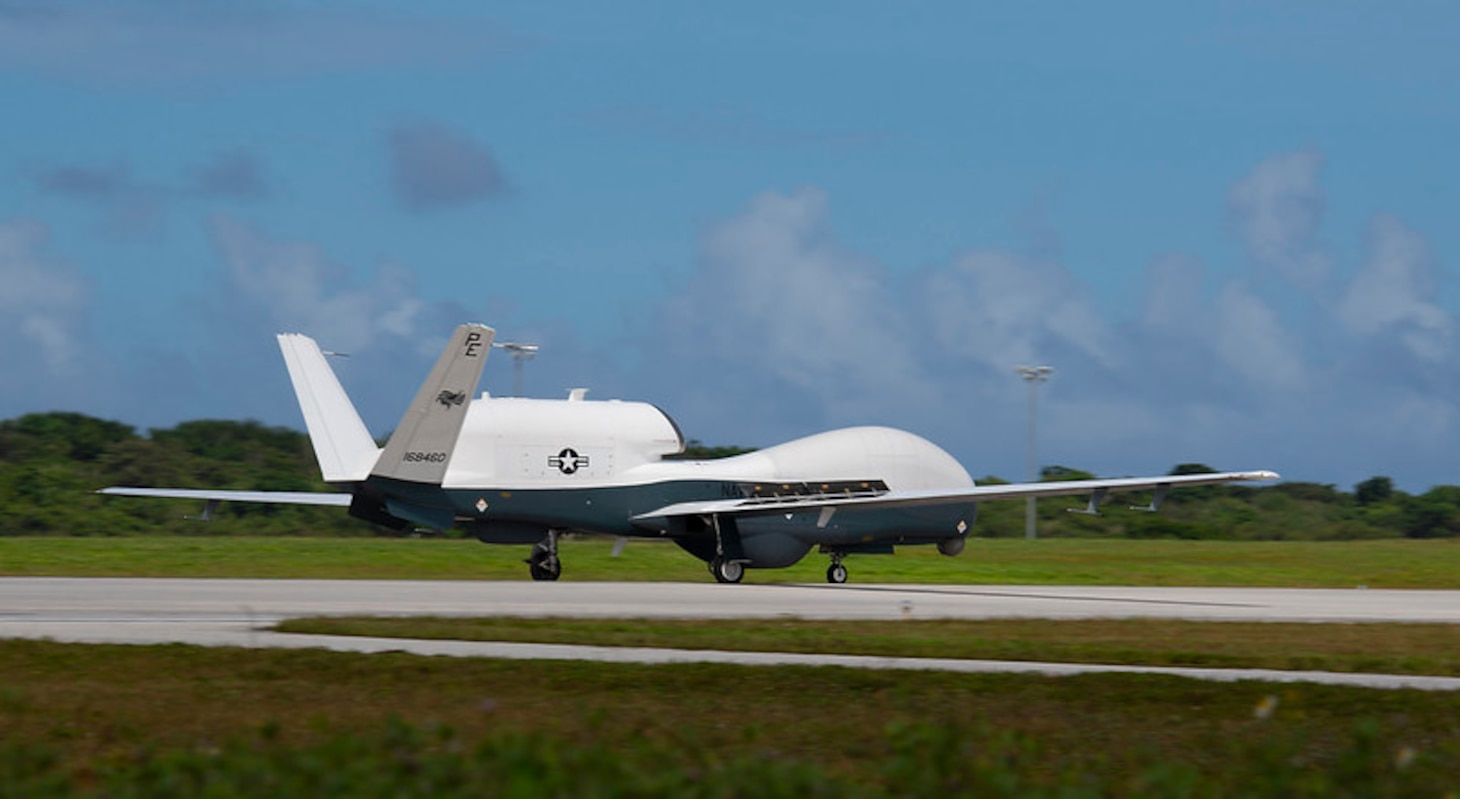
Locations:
{"points": [[191, 721], [1428, 649], [1299, 564]]}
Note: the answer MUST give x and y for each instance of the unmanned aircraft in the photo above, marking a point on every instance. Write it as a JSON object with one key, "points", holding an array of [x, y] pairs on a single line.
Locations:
{"points": [[511, 470]]}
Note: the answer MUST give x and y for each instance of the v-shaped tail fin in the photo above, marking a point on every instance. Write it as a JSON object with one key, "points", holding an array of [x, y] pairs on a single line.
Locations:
{"points": [[421, 446], [342, 444]]}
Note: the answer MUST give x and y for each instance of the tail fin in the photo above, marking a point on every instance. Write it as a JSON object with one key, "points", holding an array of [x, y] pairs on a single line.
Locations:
{"points": [[342, 444], [421, 446]]}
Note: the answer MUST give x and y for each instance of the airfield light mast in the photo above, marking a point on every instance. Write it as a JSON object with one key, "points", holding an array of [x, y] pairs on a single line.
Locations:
{"points": [[520, 353], [1033, 375]]}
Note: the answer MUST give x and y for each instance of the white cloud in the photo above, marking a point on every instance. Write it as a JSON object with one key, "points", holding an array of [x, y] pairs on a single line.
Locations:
{"points": [[1393, 292], [780, 328], [300, 289], [265, 286], [773, 291], [1252, 342], [1174, 295], [42, 305], [1004, 309], [1278, 210]]}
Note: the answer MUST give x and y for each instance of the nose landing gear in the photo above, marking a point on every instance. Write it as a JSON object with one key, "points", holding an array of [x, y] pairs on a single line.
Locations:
{"points": [[543, 563]]}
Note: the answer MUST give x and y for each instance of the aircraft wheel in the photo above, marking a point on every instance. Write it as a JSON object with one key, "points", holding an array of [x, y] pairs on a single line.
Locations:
{"points": [[727, 571], [836, 573], [545, 569]]}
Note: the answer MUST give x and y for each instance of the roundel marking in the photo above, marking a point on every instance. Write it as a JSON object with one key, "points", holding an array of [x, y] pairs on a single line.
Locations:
{"points": [[568, 461]]}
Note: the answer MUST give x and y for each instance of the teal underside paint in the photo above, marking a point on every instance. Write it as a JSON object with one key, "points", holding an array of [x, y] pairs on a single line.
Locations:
{"points": [[497, 515], [434, 517], [768, 541], [605, 509]]}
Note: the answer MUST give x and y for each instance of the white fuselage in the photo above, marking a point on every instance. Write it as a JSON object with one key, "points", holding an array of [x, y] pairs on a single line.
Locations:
{"points": [[523, 444]]}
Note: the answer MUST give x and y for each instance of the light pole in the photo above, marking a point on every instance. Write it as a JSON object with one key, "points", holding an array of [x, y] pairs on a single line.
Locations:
{"points": [[520, 353], [1033, 375]]}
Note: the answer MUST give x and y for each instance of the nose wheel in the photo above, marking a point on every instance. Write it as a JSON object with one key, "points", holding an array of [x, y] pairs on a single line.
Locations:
{"points": [[545, 570], [543, 563]]}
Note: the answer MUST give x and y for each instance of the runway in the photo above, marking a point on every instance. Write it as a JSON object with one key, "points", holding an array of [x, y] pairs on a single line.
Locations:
{"points": [[237, 613]]}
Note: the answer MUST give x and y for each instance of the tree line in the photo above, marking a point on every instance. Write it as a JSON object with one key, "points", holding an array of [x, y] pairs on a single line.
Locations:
{"points": [[51, 464]]}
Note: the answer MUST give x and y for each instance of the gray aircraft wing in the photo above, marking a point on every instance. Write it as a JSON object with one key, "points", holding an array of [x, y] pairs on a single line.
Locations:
{"points": [[212, 495], [1097, 489]]}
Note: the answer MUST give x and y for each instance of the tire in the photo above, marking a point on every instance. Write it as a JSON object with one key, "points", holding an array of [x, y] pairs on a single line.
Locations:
{"points": [[727, 571], [541, 572], [836, 574]]}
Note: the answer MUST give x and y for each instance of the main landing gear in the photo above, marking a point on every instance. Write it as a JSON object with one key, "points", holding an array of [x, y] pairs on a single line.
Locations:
{"points": [[543, 563], [728, 565], [726, 571], [836, 573]]}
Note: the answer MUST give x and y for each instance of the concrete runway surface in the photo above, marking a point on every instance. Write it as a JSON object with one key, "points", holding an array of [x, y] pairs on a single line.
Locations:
{"points": [[235, 613]]}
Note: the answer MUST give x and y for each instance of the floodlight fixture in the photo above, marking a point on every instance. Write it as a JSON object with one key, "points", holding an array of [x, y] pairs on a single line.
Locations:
{"points": [[1033, 375], [520, 352]]}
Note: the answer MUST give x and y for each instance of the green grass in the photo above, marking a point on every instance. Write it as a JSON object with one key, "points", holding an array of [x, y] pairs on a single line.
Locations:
{"points": [[188, 721], [1377, 648], [1376, 564]]}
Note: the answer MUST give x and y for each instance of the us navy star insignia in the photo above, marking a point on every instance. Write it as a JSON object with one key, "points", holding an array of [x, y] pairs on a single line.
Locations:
{"points": [[568, 461]]}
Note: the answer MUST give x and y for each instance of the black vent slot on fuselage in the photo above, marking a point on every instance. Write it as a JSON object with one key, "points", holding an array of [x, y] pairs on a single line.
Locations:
{"points": [[782, 492]]}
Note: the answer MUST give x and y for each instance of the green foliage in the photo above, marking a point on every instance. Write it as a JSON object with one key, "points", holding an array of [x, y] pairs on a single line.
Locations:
{"points": [[1314, 492], [1374, 490], [233, 441], [1291, 511], [1434, 514], [51, 463], [1060, 473], [66, 435], [1195, 494], [1192, 468]]}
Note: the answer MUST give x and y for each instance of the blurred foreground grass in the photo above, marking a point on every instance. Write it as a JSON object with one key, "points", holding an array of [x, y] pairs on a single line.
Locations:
{"points": [[189, 721], [1395, 563], [1432, 649]]}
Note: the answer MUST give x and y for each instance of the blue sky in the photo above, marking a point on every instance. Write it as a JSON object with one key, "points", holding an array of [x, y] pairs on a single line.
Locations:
{"points": [[1229, 226]]}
